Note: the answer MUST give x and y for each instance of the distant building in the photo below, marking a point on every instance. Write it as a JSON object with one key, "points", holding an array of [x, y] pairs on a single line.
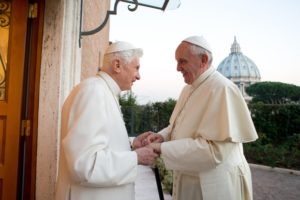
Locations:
{"points": [[240, 69]]}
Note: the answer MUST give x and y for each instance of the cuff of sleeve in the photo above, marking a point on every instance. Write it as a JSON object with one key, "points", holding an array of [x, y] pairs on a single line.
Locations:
{"points": [[165, 134], [131, 141]]}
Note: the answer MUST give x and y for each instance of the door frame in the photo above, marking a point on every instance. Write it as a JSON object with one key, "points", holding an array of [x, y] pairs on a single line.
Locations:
{"points": [[30, 103]]}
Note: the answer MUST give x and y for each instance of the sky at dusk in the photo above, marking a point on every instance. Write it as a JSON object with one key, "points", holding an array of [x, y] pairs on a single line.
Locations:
{"points": [[268, 32]]}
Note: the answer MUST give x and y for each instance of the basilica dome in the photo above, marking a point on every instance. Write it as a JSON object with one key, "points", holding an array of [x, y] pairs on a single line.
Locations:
{"points": [[239, 68]]}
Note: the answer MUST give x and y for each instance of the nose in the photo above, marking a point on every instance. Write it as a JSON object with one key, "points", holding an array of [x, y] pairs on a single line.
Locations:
{"points": [[179, 68], [138, 76]]}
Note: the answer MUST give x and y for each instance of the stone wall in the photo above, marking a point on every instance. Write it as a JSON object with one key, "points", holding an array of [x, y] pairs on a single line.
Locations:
{"points": [[63, 65]]}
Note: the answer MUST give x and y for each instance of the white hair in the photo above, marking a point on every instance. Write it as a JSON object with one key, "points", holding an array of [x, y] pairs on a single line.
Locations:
{"points": [[125, 56], [199, 51]]}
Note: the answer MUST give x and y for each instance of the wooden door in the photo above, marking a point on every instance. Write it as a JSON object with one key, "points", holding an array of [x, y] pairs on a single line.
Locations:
{"points": [[13, 25]]}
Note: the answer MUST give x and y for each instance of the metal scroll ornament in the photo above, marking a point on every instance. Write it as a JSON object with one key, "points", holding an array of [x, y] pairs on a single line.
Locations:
{"points": [[4, 13]]}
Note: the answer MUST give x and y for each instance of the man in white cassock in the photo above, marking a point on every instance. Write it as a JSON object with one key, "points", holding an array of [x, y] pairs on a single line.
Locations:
{"points": [[96, 160], [203, 142]]}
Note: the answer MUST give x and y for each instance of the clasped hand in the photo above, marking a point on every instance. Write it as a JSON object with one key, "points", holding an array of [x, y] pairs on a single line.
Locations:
{"points": [[147, 146]]}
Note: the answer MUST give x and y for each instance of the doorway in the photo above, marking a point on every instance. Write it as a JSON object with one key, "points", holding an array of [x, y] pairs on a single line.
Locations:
{"points": [[19, 74]]}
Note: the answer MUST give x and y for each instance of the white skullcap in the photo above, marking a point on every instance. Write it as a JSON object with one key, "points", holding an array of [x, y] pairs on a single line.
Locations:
{"points": [[120, 46], [199, 41]]}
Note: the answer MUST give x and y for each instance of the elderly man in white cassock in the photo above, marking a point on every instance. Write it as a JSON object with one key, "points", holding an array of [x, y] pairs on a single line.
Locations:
{"points": [[203, 142], [96, 160]]}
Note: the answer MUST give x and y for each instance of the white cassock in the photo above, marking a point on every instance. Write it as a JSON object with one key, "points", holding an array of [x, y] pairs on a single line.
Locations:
{"points": [[207, 128], [96, 161]]}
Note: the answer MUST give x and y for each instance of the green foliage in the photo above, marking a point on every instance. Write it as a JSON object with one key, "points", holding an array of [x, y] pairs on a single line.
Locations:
{"points": [[278, 127], [166, 176], [128, 99], [285, 154], [274, 93], [130, 110], [163, 112], [276, 121], [149, 117], [275, 111]]}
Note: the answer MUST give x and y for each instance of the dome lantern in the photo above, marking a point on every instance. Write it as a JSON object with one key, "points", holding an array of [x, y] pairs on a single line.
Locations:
{"points": [[235, 47]]}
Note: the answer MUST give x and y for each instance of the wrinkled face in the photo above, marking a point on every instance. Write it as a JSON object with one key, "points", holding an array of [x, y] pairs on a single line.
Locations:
{"points": [[187, 63], [130, 73]]}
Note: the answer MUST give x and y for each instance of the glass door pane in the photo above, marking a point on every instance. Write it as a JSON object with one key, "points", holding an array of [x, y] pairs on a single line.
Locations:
{"points": [[5, 8]]}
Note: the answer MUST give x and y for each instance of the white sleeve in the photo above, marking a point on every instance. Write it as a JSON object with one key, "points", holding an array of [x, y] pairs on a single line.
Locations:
{"points": [[165, 133], [194, 155]]}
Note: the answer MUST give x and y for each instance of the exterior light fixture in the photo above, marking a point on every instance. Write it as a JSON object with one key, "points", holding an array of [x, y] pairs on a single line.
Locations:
{"points": [[155, 4]]}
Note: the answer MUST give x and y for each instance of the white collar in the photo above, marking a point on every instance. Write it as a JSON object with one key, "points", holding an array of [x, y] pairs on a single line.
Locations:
{"points": [[111, 83], [203, 77]]}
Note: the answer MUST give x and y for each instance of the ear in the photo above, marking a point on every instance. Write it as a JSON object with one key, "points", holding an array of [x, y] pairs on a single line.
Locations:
{"points": [[204, 58], [116, 67]]}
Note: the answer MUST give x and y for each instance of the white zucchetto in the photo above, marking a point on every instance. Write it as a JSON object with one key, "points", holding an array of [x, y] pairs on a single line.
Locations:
{"points": [[199, 41], [120, 46]]}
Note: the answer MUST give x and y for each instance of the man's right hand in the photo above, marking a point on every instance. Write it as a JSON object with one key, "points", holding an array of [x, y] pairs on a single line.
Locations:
{"points": [[146, 138], [154, 138], [139, 141], [146, 156]]}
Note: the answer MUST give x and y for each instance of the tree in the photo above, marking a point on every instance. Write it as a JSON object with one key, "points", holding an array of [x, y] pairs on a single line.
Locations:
{"points": [[163, 112], [274, 93], [130, 111], [149, 117], [275, 110], [128, 99]]}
